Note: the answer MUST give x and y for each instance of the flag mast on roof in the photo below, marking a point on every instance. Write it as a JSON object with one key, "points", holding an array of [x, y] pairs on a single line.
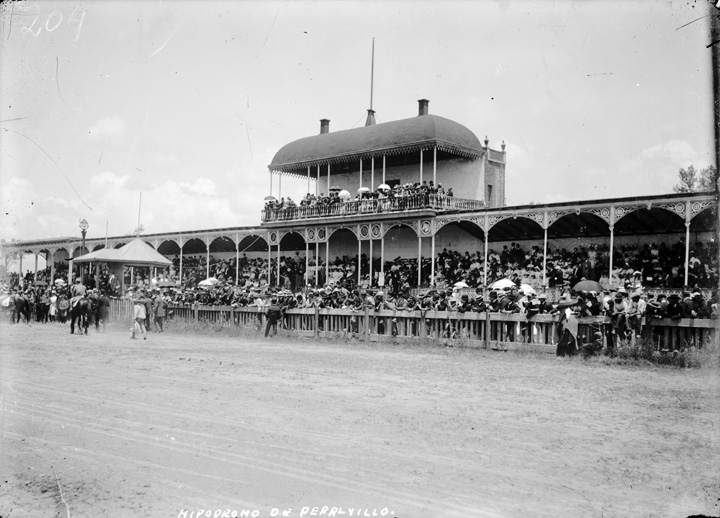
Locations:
{"points": [[370, 121]]}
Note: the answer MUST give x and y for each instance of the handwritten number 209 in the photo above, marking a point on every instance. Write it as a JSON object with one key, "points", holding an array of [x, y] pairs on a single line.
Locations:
{"points": [[75, 17]]}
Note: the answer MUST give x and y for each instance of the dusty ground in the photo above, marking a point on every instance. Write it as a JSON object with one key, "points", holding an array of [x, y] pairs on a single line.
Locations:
{"points": [[102, 426]]}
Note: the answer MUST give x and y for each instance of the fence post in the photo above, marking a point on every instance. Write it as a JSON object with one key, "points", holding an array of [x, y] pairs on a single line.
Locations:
{"points": [[317, 318], [367, 324], [195, 311], [487, 328]]}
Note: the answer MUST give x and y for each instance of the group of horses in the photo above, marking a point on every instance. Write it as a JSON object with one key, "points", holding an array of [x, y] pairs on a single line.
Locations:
{"points": [[19, 306]]}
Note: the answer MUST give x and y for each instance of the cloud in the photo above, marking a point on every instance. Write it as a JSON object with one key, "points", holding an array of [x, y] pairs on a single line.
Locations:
{"points": [[655, 169], [18, 204], [201, 186], [108, 179], [107, 128]]}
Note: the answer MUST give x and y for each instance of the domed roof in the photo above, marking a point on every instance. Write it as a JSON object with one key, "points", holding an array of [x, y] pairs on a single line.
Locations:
{"points": [[389, 138]]}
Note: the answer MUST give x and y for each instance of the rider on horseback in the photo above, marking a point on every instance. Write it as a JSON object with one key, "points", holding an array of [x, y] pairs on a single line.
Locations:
{"points": [[79, 291]]}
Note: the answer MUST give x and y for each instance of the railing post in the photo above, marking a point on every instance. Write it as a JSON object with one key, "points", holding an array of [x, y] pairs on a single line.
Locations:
{"points": [[195, 311], [487, 329], [317, 318], [367, 324]]}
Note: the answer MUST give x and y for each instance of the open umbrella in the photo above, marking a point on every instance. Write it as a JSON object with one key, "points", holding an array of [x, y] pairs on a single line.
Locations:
{"points": [[461, 284], [383, 187], [502, 283], [334, 188], [588, 286], [209, 282], [5, 301], [345, 195], [363, 189], [59, 282], [527, 289], [270, 198]]}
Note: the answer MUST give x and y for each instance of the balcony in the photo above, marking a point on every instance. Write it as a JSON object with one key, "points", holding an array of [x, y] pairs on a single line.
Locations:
{"points": [[401, 204]]}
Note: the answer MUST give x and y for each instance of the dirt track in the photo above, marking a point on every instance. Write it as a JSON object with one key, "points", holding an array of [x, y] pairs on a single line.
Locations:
{"points": [[135, 428]]}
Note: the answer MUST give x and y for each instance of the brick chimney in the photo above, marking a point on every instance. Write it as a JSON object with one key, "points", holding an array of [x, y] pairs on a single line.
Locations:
{"points": [[324, 126], [423, 107]]}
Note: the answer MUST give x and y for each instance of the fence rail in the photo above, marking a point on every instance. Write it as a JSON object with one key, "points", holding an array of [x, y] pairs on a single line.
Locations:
{"points": [[490, 330]]}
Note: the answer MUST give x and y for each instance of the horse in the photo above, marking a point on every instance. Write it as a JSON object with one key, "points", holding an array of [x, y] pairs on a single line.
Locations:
{"points": [[81, 312], [20, 305]]}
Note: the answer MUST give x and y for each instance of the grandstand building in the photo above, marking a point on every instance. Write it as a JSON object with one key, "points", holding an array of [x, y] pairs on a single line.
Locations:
{"points": [[411, 152]]}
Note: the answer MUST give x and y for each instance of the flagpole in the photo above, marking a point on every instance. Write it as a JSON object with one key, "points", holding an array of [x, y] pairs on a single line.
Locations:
{"points": [[139, 209]]}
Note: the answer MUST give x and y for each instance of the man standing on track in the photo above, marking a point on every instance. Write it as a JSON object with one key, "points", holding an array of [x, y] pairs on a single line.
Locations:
{"points": [[272, 315], [160, 309], [139, 315]]}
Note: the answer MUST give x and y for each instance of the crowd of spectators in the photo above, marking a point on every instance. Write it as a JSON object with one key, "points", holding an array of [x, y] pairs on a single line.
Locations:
{"points": [[648, 265], [382, 199]]}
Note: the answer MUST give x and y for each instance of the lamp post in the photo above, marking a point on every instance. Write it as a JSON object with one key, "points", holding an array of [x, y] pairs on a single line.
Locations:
{"points": [[83, 229]]}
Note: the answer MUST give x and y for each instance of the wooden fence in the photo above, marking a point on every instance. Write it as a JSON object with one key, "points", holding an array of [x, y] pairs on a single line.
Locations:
{"points": [[488, 330]]}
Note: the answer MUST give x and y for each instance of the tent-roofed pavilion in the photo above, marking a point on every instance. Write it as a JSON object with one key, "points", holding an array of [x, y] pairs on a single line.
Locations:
{"points": [[136, 253]]}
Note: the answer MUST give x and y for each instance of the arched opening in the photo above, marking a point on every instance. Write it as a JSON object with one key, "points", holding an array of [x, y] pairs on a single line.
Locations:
{"points": [[516, 251], [343, 257], [579, 246], [194, 264], [292, 261]]}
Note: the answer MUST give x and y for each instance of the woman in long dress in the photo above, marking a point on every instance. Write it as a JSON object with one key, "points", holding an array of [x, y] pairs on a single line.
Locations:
{"points": [[568, 339], [53, 306]]}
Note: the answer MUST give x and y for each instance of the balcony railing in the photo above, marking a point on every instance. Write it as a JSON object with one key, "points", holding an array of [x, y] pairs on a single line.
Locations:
{"points": [[371, 206]]}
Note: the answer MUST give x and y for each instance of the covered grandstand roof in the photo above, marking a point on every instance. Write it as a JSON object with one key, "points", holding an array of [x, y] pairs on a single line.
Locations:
{"points": [[390, 138]]}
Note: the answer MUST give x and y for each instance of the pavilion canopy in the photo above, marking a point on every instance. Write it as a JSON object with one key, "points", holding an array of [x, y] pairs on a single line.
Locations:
{"points": [[135, 253]]}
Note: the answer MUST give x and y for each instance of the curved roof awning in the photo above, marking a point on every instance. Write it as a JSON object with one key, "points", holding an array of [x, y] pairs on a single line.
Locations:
{"points": [[389, 138]]}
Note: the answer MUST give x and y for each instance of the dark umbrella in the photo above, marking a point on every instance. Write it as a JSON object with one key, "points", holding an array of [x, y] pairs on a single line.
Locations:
{"points": [[588, 286]]}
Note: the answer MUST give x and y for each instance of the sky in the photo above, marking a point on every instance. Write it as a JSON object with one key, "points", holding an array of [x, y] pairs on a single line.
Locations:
{"points": [[185, 103]]}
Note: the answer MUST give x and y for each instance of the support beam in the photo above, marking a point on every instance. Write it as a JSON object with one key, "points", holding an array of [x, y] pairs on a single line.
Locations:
{"points": [[487, 232], [419, 277], [435, 165], [421, 166], [432, 262], [327, 260], [317, 263], [308, 183], [328, 184], [237, 260], [382, 258], [306, 277], [687, 252], [370, 282], [612, 246], [278, 263], [181, 261], [269, 271], [383, 169], [35, 274], [372, 174], [51, 260], [359, 262], [544, 282]]}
